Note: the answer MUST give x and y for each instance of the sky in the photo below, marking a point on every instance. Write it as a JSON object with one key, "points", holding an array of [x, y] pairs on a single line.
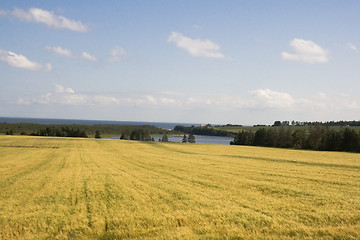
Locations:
{"points": [[219, 62]]}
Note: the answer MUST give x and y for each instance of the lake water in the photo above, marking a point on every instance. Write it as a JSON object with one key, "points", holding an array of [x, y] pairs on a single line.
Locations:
{"points": [[198, 139], [202, 139]]}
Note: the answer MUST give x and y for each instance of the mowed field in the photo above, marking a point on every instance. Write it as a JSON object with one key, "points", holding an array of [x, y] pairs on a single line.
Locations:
{"points": [[62, 188]]}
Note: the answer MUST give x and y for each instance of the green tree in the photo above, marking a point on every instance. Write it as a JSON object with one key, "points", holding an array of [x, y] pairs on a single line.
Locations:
{"points": [[350, 140], [184, 140], [165, 138], [316, 134], [191, 138], [284, 137], [125, 134], [140, 135], [97, 134], [244, 138], [260, 137], [11, 132], [299, 138]]}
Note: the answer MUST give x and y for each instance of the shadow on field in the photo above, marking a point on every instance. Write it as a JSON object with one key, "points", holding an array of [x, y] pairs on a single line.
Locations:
{"points": [[331, 165], [12, 146]]}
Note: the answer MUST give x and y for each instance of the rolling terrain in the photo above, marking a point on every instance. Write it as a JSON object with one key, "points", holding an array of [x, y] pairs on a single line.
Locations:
{"points": [[70, 188]]}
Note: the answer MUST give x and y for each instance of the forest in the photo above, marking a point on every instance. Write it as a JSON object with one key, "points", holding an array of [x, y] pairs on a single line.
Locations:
{"points": [[74, 130], [318, 137], [208, 131]]}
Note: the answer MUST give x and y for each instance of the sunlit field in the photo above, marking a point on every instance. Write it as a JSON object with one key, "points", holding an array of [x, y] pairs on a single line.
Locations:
{"points": [[62, 188]]}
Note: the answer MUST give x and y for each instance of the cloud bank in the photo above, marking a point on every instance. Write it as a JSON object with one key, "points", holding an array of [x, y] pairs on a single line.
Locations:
{"points": [[259, 106], [306, 51], [196, 47], [20, 61], [50, 19], [257, 100]]}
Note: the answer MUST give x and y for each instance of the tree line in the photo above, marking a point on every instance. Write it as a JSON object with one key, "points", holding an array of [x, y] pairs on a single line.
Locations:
{"points": [[208, 131], [90, 130], [318, 137], [60, 132], [328, 123], [136, 134]]}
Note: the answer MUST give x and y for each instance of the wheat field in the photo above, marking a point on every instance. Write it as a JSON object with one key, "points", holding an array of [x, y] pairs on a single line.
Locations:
{"points": [[62, 188]]}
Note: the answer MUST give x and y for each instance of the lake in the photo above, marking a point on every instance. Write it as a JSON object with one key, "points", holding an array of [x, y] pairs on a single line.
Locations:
{"points": [[198, 138]]}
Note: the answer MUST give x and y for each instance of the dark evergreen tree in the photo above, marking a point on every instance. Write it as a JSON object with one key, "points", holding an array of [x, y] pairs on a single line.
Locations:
{"points": [[125, 135], [140, 135], [97, 134], [260, 137], [10, 132], [165, 138], [299, 138], [244, 138], [284, 138], [350, 140], [277, 124], [191, 138], [271, 137]]}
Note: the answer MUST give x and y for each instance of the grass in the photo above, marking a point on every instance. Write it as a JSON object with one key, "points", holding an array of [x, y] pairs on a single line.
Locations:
{"points": [[61, 188]]}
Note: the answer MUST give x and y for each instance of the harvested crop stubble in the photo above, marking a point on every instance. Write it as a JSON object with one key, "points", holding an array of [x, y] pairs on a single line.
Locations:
{"points": [[61, 188]]}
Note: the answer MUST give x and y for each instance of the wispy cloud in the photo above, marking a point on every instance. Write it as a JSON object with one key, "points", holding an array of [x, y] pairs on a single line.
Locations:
{"points": [[67, 53], [352, 47], [20, 61], [67, 96], [196, 47], [117, 54], [60, 51], [87, 56], [46, 17], [306, 51]]}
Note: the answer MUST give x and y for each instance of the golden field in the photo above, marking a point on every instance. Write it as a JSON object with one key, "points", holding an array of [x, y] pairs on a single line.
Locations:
{"points": [[62, 188]]}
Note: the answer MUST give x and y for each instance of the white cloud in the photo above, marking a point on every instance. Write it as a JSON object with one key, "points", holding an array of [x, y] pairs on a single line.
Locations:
{"points": [[67, 53], [352, 47], [61, 89], [60, 51], [87, 56], [269, 98], [196, 47], [117, 54], [48, 18], [306, 51], [20, 61]]}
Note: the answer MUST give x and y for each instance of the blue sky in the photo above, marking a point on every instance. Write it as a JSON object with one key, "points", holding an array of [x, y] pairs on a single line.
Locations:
{"points": [[244, 62]]}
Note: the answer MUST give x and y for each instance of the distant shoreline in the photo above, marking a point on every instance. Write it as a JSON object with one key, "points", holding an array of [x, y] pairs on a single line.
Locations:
{"points": [[164, 125]]}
